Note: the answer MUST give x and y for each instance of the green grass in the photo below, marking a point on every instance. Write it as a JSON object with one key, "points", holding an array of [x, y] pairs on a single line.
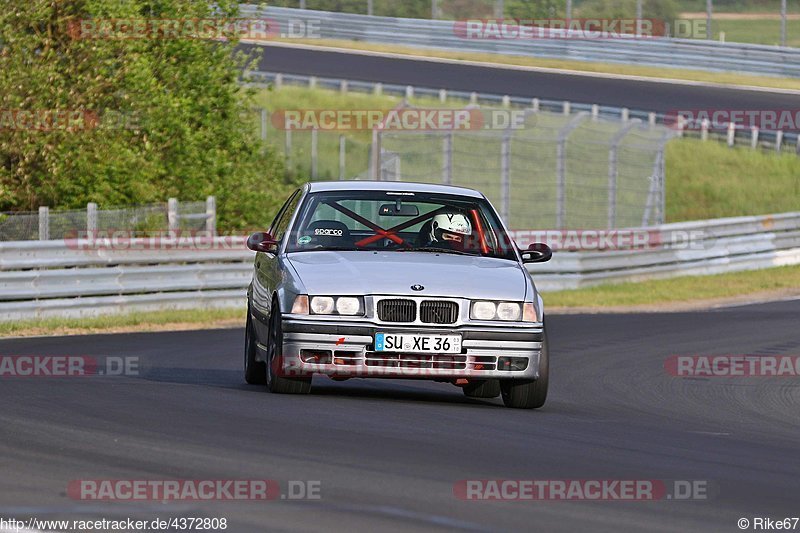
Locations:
{"points": [[710, 180], [139, 321], [756, 31], [682, 289]]}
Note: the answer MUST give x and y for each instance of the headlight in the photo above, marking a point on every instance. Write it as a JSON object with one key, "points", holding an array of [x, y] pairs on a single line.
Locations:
{"points": [[348, 305], [483, 310], [508, 311], [505, 311], [336, 305], [322, 305]]}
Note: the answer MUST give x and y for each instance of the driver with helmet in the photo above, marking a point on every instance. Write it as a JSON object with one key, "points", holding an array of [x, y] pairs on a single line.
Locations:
{"points": [[450, 231]]}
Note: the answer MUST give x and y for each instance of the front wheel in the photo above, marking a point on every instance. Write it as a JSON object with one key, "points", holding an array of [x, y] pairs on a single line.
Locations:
{"points": [[528, 393], [255, 372], [275, 381]]}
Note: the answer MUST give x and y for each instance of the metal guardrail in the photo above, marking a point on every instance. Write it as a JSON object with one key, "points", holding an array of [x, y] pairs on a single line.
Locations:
{"points": [[64, 278], [733, 134], [658, 52]]}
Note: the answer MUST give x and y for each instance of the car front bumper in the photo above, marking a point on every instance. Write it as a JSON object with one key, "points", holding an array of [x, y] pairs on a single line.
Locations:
{"points": [[347, 350]]}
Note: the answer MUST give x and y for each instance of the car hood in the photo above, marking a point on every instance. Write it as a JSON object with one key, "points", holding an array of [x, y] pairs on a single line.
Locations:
{"points": [[367, 272]]}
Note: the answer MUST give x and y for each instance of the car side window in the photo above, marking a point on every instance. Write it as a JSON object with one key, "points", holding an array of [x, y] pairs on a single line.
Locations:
{"points": [[281, 224]]}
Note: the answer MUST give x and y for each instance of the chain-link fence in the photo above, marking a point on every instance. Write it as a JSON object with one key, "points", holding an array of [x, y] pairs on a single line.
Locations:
{"points": [[141, 220], [555, 171]]}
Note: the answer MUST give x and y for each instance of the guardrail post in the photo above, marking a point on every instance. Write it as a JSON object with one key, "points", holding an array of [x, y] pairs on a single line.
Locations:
{"points": [[263, 124], [378, 89], [409, 92], [91, 218], [535, 105], [625, 114], [778, 140], [754, 137], [44, 223], [314, 142], [651, 119], [731, 134], [505, 176], [211, 215], [447, 158], [473, 98], [704, 129], [312, 82], [506, 101], [443, 95], [278, 81], [595, 111], [342, 155], [566, 108], [343, 87], [172, 214]]}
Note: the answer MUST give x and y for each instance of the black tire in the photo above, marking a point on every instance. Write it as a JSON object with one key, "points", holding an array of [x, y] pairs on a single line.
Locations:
{"points": [[255, 372], [482, 388], [528, 393], [275, 382]]}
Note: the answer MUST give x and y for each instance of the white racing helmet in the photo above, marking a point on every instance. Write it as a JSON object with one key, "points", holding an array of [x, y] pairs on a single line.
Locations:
{"points": [[450, 227]]}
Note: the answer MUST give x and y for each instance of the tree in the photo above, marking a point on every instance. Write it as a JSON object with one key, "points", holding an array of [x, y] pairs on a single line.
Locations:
{"points": [[86, 117]]}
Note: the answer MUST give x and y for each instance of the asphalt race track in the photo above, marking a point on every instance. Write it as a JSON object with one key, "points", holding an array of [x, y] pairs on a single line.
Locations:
{"points": [[644, 95], [388, 453]]}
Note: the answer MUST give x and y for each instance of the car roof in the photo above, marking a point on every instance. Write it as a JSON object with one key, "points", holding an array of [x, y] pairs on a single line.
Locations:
{"points": [[400, 186]]}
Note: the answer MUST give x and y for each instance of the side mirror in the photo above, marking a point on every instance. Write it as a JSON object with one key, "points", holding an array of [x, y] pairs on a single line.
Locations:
{"points": [[537, 252], [261, 241]]}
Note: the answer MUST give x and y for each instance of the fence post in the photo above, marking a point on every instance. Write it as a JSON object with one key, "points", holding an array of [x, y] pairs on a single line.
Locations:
{"points": [[314, 142], [778, 140], [731, 134], [211, 215], [505, 176], [704, 129], [376, 155], [287, 149], [263, 124], [342, 152], [447, 158], [561, 167], [172, 214], [613, 170], [44, 223], [91, 218]]}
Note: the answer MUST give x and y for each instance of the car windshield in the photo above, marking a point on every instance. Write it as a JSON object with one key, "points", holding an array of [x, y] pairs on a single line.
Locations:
{"points": [[399, 221]]}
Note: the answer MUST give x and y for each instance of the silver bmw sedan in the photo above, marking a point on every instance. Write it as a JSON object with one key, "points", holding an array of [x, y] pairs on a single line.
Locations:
{"points": [[395, 280]]}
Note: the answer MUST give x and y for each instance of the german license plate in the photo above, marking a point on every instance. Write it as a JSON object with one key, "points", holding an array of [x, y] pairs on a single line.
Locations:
{"points": [[394, 342]]}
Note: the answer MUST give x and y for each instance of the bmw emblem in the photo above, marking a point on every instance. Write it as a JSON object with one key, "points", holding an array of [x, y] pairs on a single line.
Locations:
{"points": [[417, 287]]}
